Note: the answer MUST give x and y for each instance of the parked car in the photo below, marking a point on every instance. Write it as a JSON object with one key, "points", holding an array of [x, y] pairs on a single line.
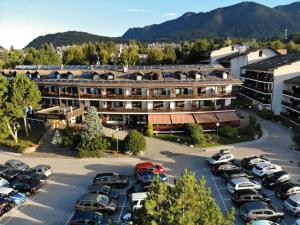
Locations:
{"points": [[3, 182], [263, 169], [273, 179], [12, 196], [32, 175], [232, 174], [248, 195], [87, 217], [219, 168], [249, 162], [286, 189], [104, 190], [292, 205], [137, 200], [17, 165], [5, 206], [262, 222], [222, 156], [26, 186], [95, 202], [260, 211], [149, 176], [45, 170], [147, 166], [242, 183], [136, 188], [112, 180], [10, 174]]}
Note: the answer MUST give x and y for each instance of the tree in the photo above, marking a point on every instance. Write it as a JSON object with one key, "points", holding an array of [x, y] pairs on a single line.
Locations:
{"points": [[92, 125], [195, 131], [23, 93], [135, 142], [149, 131], [189, 202]]}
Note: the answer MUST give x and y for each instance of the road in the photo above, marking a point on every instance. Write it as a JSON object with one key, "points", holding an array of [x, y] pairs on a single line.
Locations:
{"points": [[54, 205]]}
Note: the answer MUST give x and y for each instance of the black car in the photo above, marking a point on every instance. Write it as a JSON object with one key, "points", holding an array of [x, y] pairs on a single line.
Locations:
{"points": [[26, 186], [241, 196], [29, 175], [232, 174], [112, 180], [104, 190], [88, 217], [285, 189], [5, 206], [10, 174], [270, 181], [249, 162], [218, 169], [140, 187]]}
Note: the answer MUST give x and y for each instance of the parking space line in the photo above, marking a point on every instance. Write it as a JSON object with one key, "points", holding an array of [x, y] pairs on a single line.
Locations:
{"points": [[219, 193]]}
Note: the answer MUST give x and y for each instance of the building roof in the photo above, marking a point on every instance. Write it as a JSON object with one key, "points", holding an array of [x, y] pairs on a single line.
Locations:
{"points": [[273, 62], [295, 80]]}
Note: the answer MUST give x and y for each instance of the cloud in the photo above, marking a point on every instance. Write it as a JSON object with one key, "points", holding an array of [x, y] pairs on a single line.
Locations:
{"points": [[136, 10], [170, 14]]}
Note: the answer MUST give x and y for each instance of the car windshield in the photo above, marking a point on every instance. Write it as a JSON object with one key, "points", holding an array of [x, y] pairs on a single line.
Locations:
{"points": [[103, 200], [292, 203], [216, 157]]}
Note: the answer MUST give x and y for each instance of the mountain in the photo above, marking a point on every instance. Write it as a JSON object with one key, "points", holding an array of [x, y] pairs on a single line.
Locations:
{"points": [[246, 19], [67, 38]]}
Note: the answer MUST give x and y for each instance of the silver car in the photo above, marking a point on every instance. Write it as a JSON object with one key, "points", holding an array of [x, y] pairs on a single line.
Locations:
{"points": [[292, 205]]}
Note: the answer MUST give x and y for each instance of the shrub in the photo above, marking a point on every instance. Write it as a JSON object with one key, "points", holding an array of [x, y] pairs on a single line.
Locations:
{"points": [[149, 131], [135, 142], [228, 131], [266, 114], [93, 147], [196, 133]]}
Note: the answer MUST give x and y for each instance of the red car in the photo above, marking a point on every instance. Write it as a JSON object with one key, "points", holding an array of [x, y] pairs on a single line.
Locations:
{"points": [[147, 166]]}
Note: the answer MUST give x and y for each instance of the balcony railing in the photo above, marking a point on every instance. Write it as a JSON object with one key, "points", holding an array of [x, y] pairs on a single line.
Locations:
{"points": [[292, 106], [259, 89], [291, 93]]}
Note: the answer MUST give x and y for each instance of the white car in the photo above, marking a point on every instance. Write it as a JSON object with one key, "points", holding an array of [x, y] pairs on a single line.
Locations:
{"points": [[242, 183], [263, 169], [3, 182], [221, 157], [262, 222]]}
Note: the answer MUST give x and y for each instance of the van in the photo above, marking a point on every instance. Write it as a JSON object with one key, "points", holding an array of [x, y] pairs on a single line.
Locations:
{"points": [[137, 200]]}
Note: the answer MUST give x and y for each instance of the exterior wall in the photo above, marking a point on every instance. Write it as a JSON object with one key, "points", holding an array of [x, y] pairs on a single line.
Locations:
{"points": [[220, 53], [280, 75]]}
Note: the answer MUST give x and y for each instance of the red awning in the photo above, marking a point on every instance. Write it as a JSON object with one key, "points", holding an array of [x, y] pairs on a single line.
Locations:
{"points": [[182, 118], [159, 119], [224, 117], [205, 118]]}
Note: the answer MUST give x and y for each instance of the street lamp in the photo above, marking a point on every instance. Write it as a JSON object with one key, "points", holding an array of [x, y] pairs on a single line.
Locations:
{"points": [[217, 124]]}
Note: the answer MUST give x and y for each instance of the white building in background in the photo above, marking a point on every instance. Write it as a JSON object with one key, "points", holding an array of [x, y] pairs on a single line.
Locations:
{"points": [[264, 80], [225, 51], [235, 61]]}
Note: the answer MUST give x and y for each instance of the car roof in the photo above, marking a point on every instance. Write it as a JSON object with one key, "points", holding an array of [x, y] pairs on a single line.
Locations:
{"points": [[295, 198], [255, 205], [140, 195], [89, 197], [85, 215], [240, 180], [5, 190], [144, 164]]}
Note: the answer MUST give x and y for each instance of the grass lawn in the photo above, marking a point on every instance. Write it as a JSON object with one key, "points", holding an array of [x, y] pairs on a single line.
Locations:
{"points": [[185, 139], [35, 135]]}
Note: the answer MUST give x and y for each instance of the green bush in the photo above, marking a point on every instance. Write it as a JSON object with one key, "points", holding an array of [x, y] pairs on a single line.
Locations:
{"points": [[228, 131], [135, 142], [93, 147], [149, 131], [195, 131], [266, 114]]}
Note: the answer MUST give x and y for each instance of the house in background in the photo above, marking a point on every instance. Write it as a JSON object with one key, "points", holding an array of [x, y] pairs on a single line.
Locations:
{"points": [[235, 61], [264, 80]]}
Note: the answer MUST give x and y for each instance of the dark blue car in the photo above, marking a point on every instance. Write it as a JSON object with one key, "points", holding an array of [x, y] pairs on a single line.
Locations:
{"points": [[149, 176]]}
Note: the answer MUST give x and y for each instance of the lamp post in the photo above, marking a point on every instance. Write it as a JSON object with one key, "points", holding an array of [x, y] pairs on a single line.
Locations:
{"points": [[217, 125]]}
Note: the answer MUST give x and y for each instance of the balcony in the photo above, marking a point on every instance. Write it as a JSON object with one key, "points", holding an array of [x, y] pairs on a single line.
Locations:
{"points": [[291, 94], [256, 88], [291, 106]]}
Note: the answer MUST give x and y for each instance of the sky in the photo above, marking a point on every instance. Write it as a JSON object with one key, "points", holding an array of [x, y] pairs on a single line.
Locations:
{"points": [[23, 20]]}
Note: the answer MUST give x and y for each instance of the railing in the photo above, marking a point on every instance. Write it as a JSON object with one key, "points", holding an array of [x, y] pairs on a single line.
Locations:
{"points": [[290, 105], [291, 93]]}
